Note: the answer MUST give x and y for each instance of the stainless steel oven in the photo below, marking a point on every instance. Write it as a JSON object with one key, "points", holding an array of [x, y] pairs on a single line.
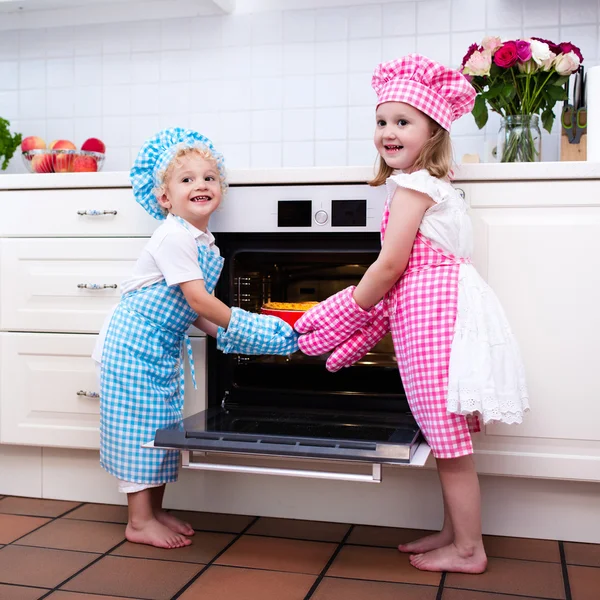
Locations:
{"points": [[290, 244]]}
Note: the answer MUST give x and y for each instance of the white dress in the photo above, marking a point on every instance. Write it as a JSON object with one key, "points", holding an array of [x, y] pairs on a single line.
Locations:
{"points": [[486, 373]]}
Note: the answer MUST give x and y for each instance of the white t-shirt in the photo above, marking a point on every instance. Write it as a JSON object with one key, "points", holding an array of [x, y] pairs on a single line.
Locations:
{"points": [[170, 254]]}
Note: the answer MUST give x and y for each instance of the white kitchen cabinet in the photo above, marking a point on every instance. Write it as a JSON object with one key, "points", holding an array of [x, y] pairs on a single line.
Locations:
{"points": [[49, 389]]}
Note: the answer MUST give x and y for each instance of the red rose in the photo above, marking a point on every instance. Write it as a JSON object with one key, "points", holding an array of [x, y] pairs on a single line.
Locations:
{"points": [[506, 56], [568, 47]]}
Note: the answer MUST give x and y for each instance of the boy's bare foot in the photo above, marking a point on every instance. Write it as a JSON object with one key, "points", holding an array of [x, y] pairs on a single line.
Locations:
{"points": [[428, 543], [451, 559], [156, 534], [173, 523]]}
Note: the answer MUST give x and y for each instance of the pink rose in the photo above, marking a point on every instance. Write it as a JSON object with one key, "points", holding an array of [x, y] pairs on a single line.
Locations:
{"points": [[479, 64], [467, 56], [523, 50], [565, 64], [491, 43], [566, 47], [506, 55]]}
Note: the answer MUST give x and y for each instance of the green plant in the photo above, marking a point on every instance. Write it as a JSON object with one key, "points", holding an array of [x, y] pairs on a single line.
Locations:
{"points": [[8, 143]]}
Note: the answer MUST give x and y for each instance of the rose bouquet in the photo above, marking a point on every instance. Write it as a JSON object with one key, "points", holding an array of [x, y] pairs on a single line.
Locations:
{"points": [[519, 80]]}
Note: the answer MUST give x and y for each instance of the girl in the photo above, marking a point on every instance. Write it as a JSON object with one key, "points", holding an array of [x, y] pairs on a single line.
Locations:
{"points": [[455, 351], [178, 177]]}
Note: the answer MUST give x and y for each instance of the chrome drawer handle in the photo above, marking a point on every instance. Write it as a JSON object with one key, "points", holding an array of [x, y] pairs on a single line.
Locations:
{"points": [[94, 212], [97, 286], [88, 394]]}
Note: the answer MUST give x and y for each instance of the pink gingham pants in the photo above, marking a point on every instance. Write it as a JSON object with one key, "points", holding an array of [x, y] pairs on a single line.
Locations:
{"points": [[422, 309]]}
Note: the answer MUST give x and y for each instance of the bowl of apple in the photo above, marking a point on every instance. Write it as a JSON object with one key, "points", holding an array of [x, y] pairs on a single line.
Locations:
{"points": [[62, 156]]}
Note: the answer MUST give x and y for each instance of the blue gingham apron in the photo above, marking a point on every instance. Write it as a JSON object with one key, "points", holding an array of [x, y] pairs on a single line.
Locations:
{"points": [[142, 377]]}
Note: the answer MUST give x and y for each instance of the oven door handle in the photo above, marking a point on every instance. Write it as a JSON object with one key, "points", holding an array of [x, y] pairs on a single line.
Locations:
{"points": [[189, 461]]}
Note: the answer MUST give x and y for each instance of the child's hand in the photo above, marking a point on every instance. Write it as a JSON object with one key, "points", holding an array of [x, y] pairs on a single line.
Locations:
{"points": [[361, 341], [330, 323], [250, 333]]}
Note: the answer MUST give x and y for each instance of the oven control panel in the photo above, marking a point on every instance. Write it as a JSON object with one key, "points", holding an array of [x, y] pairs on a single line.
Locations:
{"points": [[333, 207]]}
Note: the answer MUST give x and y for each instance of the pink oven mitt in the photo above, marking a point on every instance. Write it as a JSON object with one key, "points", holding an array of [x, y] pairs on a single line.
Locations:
{"points": [[361, 341], [330, 323]]}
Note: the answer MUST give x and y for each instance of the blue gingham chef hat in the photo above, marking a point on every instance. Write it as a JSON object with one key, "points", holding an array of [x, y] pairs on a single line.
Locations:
{"points": [[154, 157]]}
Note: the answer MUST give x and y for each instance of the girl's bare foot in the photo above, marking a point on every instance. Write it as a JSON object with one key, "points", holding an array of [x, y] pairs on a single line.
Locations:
{"points": [[428, 543], [173, 523], [156, 534], [451, 559]]}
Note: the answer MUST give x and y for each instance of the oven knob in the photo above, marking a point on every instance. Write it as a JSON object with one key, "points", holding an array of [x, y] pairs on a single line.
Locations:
{"points": [[321, 217]]}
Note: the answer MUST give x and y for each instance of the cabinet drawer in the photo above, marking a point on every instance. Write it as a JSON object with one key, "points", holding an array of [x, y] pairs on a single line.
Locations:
{"points": [[40, 282], [47, 387], [76, 212]]}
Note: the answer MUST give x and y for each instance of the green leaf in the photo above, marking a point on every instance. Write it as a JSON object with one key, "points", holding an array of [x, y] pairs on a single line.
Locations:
{"points": [[8, 143], [556, 93], [480, 111], [548, 119], [560, 81]]}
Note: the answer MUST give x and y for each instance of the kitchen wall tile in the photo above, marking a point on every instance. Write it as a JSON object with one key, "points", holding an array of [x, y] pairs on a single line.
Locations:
{"points": [[116, 38], [237, 30], [87, 70], [116, 100], [467, 144], [331, 123], [145, 67], [208, 96], [169, 120], [360, 92], [584, 36], [86, 127], [267, 28], [299, 26], [206, 63], [331, 90], [330, 154], [299, 91], [332, 24], [174, 98], [298, 125], [116, 68], [32, 43], [60, 129], [266, 125], [237, 61], [9, 105], [364, 55], [88, 101], [175, 34], [467, 15], [117, 158], [142, 127], [503, 14], [88, 40], [298, 59], [265, 155], [436, 47], [31, 104], [9, 45], [365, 21], [581, 12], [30, 127], [144, 98], [399, 18], [116, 131], [145, 36], [266, 93], [236, 155], [460, 42], [9, 75], [433, 16], [465, 126], [207, 32], [267, 60], [60, 42], [175, 66], [361, 122], [394, 47], [231, 127], [298, 154], [60, 103], [537, 13], [32, 74], [361, 152], [331, 57], [60, 72]]}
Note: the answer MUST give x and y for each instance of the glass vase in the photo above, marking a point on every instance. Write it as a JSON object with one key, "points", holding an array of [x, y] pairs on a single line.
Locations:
{"points": [[519, 139]]}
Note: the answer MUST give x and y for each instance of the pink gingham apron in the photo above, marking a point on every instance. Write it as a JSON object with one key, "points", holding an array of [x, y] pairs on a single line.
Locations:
{"points": [[422, 308]]}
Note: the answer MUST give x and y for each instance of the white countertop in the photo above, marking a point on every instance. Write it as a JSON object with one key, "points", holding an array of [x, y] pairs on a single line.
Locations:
{"points": [[314, 175]]}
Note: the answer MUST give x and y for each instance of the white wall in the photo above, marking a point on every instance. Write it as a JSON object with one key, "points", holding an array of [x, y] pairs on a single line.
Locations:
{"points": [[271, 87]]}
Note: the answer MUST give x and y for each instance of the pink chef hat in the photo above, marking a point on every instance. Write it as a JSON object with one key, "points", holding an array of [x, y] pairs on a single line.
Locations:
{"points": [[442, 93]]}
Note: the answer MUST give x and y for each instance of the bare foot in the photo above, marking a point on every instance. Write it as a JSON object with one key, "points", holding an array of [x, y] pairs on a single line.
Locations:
{"points": [[173, 523], [428, 543], [156, 534], [451, 559]]}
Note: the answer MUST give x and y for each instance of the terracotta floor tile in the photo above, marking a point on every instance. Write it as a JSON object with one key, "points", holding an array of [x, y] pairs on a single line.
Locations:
{"points": [[517, 577], [587, 555], [106, 513], [349, 589], [227, 583], [471, 595], [214, 521], [305, 530], [12, 527], [276, 554], [133, 577], [78, 596], [585, 582], [384, 536], [523, 548], [13, 592], [379, 564], [84, 536], [205, 546], [35, 507], [40, 567]]}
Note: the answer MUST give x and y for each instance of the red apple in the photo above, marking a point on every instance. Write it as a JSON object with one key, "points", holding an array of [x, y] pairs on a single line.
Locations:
{"points": [[42, 163], [63, 163], [83, 164], [32, 143], [93, 145], [62, 145]]}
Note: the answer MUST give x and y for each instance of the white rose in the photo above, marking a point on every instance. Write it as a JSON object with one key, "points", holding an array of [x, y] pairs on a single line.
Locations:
{"points": [[565, 64], [540, 52]]}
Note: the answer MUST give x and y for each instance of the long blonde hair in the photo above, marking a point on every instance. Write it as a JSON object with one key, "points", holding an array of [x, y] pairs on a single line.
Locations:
{"points": [[435, 156]]}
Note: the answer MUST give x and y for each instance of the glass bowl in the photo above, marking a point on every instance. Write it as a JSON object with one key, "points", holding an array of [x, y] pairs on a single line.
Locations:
{"points": [[62, 161]]}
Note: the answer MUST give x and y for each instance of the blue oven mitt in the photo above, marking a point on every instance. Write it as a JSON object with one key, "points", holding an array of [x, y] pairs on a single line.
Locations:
{"points": [[250, 333]]}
